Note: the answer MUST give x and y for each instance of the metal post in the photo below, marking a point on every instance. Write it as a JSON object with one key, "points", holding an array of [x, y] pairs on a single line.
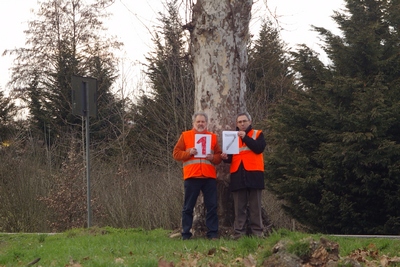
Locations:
{"points": [[89, 212]]}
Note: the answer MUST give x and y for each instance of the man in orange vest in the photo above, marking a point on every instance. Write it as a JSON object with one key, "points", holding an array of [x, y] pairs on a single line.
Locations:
{"points": [[199, 173], [247, 177]]}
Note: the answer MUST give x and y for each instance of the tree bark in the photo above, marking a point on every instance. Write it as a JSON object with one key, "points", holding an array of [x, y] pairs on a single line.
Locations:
{"points": [[219, 37]]}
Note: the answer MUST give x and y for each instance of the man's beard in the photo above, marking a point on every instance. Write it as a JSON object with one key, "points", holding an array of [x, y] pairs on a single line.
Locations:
{"points": [[200, 129]]}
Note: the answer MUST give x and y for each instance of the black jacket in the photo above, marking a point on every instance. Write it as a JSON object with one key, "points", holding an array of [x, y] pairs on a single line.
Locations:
{"points": [[242, 178]]}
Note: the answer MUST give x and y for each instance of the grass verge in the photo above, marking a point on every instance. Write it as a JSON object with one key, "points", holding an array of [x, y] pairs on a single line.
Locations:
{"points": [[137, 247]]}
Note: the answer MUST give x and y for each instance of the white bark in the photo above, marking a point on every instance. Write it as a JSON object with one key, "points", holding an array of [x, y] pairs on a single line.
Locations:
{"points": [[219, 41], [219, 38]]}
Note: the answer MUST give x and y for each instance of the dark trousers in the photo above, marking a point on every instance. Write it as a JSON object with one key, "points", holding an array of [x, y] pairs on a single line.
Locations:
{"points": [[208, 187], [248, 199]]}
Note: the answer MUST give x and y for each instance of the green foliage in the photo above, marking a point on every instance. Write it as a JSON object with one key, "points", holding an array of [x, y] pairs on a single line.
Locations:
{"points": [[335, 140], [42, 238], [301, 249], [247, 245], [268, 73], [162, 114]]}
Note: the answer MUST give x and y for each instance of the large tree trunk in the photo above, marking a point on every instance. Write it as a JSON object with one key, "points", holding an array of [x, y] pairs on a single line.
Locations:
{"points": [[219, 38]]}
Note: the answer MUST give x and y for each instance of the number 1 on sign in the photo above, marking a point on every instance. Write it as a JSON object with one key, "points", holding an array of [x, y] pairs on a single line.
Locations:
{"points": [[202, 145], [202, 141]]}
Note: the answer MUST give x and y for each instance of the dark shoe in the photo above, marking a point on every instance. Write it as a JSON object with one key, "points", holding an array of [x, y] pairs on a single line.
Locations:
{"points": [[186, 237]]}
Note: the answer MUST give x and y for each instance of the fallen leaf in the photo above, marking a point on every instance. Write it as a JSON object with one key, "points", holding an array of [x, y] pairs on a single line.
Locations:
{"points": [[211, 251], [384, 261], [394, 259], [163, 263], [224, 249], [249, 261], [119, 260], [238, 259]]}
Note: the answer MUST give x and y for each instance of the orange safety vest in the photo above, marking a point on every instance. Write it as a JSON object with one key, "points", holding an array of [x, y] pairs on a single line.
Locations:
{"points": [[251, 161], [198, 167]]}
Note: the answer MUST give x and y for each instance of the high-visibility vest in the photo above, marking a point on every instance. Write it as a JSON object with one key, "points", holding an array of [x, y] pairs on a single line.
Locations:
{"points": [[198, 167], [251, 161]]}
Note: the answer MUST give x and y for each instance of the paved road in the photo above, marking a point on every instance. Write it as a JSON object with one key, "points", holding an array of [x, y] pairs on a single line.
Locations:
{"points": [[371, 236]]}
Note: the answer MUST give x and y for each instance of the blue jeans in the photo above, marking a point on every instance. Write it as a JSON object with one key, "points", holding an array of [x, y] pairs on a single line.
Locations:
{"points": [[193, 186]]}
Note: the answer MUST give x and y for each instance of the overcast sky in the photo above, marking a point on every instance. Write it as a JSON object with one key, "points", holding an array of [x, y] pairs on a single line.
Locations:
{"points": [[131, 22]]}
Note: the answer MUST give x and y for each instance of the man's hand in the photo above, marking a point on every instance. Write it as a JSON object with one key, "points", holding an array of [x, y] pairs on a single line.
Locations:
{"points": [[210, 157], [193, 151], [241, 134]]}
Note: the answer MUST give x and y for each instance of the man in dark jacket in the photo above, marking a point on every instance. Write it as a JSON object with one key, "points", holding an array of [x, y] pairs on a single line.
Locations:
{"points": [[247, 177]]}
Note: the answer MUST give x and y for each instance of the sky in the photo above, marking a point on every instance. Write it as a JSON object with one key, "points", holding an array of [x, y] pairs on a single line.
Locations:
{"points": [[131, 23]]}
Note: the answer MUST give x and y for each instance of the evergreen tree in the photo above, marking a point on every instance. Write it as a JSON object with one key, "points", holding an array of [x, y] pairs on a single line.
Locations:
{"points": [[106, 127], [161, 115], [64, 40], [7, 111], [268, 73], [335, 139]]}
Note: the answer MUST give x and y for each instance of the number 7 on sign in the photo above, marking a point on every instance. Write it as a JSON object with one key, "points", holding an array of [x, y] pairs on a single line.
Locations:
{"points": [[230, 142]]}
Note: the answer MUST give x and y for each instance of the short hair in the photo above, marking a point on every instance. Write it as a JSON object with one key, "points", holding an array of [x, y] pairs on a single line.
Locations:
{"points": [[244, 114], [200, 113]]}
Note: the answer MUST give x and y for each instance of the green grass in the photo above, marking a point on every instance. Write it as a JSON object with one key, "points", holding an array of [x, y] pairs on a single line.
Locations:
{"points": [[137, 247]]}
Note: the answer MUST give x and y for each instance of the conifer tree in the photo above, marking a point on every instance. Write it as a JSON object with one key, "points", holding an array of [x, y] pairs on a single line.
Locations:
{"points": [[63, 40], [7, 111], [268, 73], [335, 139], [161, 115]]}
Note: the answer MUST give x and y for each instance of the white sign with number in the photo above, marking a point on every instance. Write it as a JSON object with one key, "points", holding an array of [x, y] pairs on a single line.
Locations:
{"points": [[202, 143], [230, 142]]}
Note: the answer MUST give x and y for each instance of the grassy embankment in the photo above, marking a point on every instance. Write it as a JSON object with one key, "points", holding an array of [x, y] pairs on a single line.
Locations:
{"points": [[136, 247]]}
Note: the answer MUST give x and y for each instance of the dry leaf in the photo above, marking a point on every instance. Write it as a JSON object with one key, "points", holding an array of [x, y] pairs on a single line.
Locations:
{"points": [[249, 261], [224, 249], [211, 251], [238, 259], [384, 261], [119, 260], [394, 259], [163, 263]]}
